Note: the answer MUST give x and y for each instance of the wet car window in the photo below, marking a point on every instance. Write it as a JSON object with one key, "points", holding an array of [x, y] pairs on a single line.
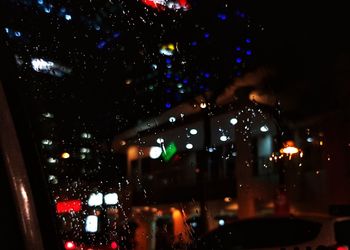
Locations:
{"points": [[261, 233], [156, 122]]}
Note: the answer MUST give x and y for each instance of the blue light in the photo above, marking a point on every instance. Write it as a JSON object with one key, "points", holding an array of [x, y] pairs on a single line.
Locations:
{"points": [[168, 90], [68, 17], [168, 75], [238, 48], [40, 2], [201, 87], [249, 52], [194, 43], [168, 61], [17, 34], [177, 78], [101, 44], [248, 40], [206, 75], [116, 34], [168, 105], [47, 9], [206, 35], [63, 10], [238, 60], [222, 16], [185, 81]]}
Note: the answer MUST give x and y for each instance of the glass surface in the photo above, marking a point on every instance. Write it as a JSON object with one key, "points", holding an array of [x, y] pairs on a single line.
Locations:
{"points": [[265, 233], [157, 122]]}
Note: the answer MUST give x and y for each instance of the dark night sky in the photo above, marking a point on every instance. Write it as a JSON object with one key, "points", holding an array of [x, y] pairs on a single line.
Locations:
{"points": [[306, 45]]}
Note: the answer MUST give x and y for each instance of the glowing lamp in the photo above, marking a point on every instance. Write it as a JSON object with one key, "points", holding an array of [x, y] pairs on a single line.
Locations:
{"points": [[95, 199], [289, 148], [114, 245], [69, 245], [65, 155], [91, 225], [111, 199], [155, 152], [68, 206]]}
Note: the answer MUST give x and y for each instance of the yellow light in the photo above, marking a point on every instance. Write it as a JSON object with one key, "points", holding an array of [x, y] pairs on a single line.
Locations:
{"points": [[171, 46], [321, 143], [65, 155], [289, 150]]}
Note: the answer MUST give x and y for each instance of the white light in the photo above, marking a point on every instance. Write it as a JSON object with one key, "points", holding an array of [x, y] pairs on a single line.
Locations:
{"points": [[40, 64], [51, 160], [155, 152], [84, 150], [48, 67], [46, 142], [203, 105], [53, 179], [86, 135], [223, 138], [111, 199], [160, 140], [211, 150], [309, 139], [233, 121], [172, 119], [95, 199], [68, 17], [48, 115], [221, 222], [166, 52], [91, 224], [264, 128], [194, 224], [189, 146], [193, 131]]}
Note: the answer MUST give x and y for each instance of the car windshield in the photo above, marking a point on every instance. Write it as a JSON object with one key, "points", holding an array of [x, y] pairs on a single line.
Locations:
{"points": [[152, 123]]}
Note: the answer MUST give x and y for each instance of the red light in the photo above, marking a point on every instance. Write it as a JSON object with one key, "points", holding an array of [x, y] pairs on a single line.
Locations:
{"points": [[342, 248], [69, 245], [151, 3], [183, 3], [68, 206], [114, 245]]}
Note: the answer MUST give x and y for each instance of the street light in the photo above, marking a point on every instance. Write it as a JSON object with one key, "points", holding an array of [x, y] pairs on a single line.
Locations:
{"points": [[289, 148], [281, 202]]}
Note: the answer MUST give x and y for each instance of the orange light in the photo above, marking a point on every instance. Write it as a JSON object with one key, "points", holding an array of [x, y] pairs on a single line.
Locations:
{"points": [[289, 148], [65, 155], [227, 199]]}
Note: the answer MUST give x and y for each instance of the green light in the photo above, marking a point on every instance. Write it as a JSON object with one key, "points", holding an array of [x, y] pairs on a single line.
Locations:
{"points": [[169, 151]]}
